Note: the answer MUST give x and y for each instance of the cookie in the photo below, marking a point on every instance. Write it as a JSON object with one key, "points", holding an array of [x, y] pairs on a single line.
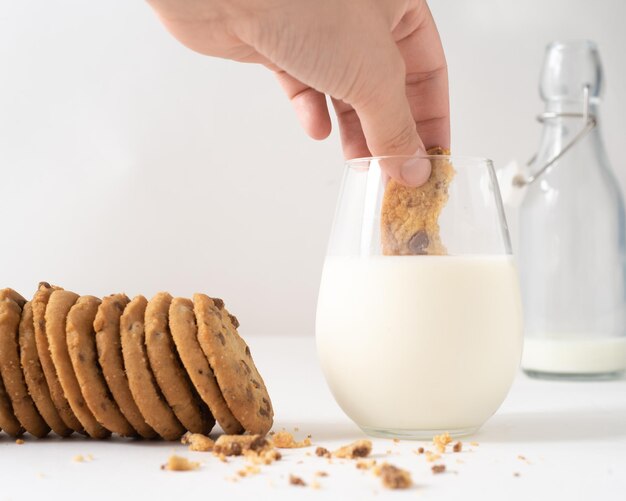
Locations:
{"points": [[40, 303], [15, 386], [143, 386], [409, 216], [10, 301], [109, 345], [34, 377], [59, 306], [184, 331], [172, 379], [241, 384], [81, 345]]}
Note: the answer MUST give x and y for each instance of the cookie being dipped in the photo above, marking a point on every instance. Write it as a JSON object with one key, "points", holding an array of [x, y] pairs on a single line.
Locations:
{"points": [[410, 216]]}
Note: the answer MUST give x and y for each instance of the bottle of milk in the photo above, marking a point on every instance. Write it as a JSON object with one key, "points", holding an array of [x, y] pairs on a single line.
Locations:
{"points": [[572, 254]]}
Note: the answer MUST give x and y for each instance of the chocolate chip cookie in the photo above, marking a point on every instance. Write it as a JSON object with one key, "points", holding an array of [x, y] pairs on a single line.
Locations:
{"points": [[81, 344], [185, 334], [229, 356], [170, 375], [11, 372], [33, 374], [144, 388], [40, 304], [109, 344], [59, 306], [410, 216], [9, 321]]}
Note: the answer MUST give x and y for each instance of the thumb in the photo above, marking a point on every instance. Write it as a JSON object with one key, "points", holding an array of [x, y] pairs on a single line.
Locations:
{"points": [[389, 127]]}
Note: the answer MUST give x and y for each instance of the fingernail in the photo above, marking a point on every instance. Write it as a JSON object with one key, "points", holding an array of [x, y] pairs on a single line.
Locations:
{"points": [[415, 171]]}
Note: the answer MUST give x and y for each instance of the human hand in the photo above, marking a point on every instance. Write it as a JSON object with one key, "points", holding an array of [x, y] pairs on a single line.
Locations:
{"points": [[381, 62]]}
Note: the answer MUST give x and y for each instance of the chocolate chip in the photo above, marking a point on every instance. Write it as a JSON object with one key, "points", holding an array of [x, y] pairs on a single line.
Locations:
{"points": [[248, 351], [218, 302], [245, 366], [221, 338], [234, 320], [419, 242]]}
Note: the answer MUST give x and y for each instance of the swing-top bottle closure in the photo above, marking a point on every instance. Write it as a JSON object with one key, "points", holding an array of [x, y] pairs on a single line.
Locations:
{"points": [[590, 121], [571, 82]]}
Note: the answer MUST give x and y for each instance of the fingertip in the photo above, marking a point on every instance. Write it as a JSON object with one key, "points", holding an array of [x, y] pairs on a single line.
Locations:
{"points": [[412, 171], [415, 171], [312, 111]]}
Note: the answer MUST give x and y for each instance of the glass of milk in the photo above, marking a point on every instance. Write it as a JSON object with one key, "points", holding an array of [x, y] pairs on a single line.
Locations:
{"points": [[412, 346]]}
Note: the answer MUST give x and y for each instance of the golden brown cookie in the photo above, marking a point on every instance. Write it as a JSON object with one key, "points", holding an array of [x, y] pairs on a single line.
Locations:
{"points": [[172, 379], [40, 303], [109, 344], [9, 302], [59, 306], [185, 334], [143, 386], [238, 378], [81, 344], [410, 216], [15, 386], [34, 376]]}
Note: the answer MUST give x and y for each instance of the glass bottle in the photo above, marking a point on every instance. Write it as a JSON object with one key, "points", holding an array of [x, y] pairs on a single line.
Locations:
{"points": [[572, 255]]}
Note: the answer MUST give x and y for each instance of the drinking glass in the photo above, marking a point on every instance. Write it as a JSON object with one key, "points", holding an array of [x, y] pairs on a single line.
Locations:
{"points": [[416, 345]]}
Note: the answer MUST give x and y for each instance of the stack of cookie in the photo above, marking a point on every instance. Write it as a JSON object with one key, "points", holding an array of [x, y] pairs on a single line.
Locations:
{"points": [[136, 368]]}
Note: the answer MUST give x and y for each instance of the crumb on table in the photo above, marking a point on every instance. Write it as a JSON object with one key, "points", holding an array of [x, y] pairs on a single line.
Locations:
{"points": [[438, 468], [358, 449], [322, 452], [458, 447], [393, 477], [179, 463], [197, 442], [285, 440], [295, 480], [440, 441]]}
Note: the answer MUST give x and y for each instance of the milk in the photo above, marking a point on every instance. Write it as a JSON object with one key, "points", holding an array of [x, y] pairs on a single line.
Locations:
{"points": [[571, 355], [414, 344]]}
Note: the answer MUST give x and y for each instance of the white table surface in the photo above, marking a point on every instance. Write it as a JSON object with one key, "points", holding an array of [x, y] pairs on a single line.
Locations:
{"points": [[573, 436]]}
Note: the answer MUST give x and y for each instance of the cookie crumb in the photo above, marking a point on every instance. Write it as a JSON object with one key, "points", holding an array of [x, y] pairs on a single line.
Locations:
{"points": [[516, 474], [438, 468], [320, 474], [440, 441], [315, 484], [420, 450], [249, 470], [393, 477], [179, 463], [265, 457], [19, 441], [197, 442], [358, 449], [458, 447], [89, 457], [474, 444], [365, 465], [79, 458], [396, 441], [322, 452], [285, 440], [294, 480], [236, 445], [431, 457]]}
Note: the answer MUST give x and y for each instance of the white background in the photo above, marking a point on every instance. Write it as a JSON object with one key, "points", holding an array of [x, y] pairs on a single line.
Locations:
{"points": [[132, 164]]}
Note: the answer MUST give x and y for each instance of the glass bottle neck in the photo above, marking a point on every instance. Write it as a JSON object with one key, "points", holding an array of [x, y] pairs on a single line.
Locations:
{"points": [[562, 106]]}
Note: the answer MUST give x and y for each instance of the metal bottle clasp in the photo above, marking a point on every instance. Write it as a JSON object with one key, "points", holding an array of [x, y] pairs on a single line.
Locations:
{"points": [[590, 122]]}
